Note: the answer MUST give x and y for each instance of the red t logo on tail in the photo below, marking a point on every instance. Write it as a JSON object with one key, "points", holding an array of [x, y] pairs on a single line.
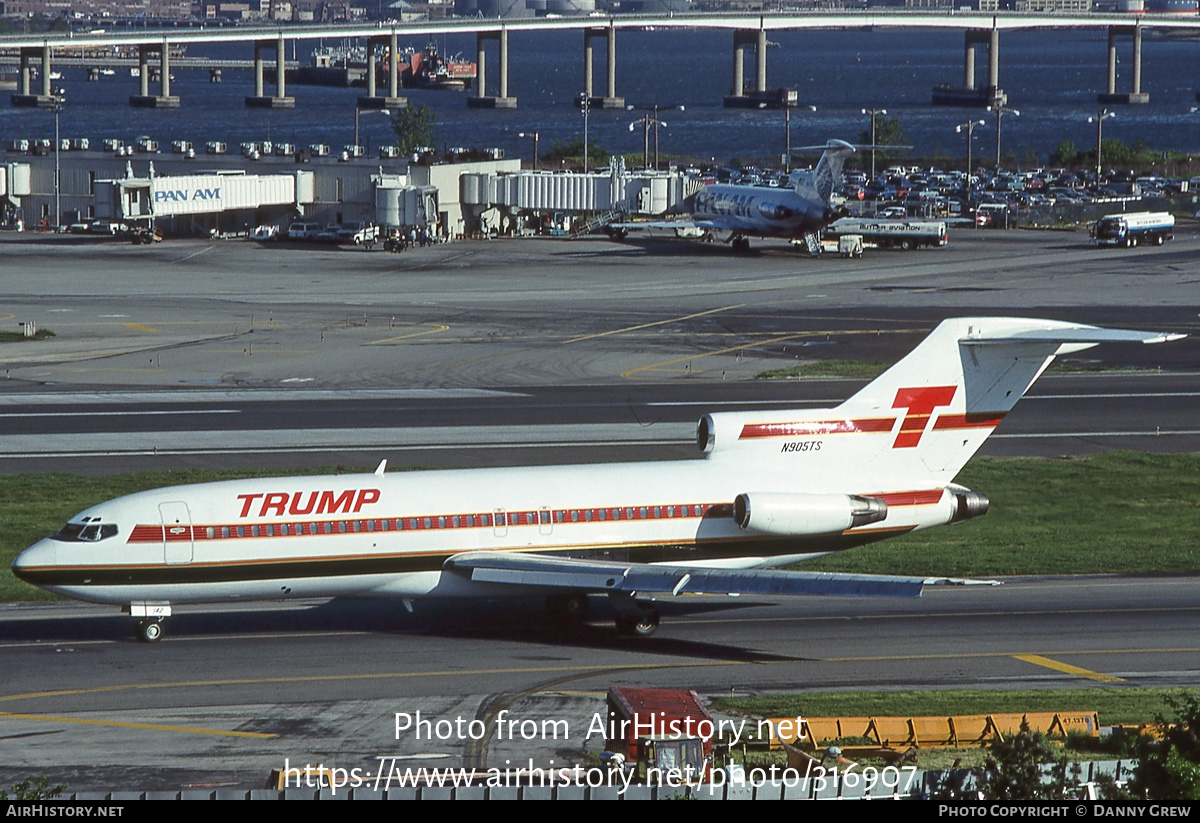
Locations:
{"points": [[920, 403]]}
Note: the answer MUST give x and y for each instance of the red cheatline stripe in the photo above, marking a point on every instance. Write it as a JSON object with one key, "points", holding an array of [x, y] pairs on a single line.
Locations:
{"points": [[988, 420], [149, 533], [817, 427]]}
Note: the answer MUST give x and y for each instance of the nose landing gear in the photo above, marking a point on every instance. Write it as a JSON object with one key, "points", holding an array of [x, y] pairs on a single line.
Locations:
{"points": [[148, 630]]}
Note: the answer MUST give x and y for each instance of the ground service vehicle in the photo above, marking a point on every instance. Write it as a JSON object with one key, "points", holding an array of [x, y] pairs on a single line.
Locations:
{"points": [[887, 234], [1129, 230]]}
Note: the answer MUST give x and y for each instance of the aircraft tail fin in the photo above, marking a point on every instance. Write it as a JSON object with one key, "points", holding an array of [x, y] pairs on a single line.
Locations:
{"points": [[828, 169], [921, 420]]}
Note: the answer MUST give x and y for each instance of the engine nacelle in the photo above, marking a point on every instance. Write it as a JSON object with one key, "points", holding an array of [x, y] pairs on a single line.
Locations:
{"points": [[804, 514], [967, 504]]}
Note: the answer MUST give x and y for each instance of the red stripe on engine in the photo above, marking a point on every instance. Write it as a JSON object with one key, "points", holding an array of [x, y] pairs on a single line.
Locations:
{"points": [[864, 425]]}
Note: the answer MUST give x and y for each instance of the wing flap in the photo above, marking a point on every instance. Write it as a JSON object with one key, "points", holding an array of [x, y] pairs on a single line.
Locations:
{"points": [[601, 576]]}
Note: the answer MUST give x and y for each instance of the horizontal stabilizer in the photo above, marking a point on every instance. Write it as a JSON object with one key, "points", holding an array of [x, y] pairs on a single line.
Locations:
{"points": [[599, 576], [1079, 334]]}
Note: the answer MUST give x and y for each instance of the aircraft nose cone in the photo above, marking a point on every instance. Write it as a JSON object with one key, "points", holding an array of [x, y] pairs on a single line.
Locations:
{"points": [[40, 555]]}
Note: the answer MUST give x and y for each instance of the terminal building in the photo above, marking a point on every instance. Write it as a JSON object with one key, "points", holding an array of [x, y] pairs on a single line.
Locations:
{"points": [[187, 194]]}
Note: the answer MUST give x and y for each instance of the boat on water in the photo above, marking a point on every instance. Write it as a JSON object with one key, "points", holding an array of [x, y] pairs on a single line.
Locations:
{"points": [[346, 65], [428, 69]]}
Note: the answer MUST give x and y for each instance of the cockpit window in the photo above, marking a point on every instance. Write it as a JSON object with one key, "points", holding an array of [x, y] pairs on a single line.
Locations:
{"points": [[87, 532]]}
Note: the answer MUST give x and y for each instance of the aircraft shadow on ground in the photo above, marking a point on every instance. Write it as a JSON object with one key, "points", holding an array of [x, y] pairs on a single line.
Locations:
{"points": [[519, 620], [665, 247]]}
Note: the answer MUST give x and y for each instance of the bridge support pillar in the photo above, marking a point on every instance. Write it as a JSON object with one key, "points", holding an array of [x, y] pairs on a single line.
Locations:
{"points": [[760, 97], [280, 100], [481, 100], [610, 99], [1135, 96], [373, 101], [968, 94], [25, 99], [144, 99]]}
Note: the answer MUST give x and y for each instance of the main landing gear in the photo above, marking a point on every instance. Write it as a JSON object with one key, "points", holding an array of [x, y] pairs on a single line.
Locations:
{"points": [[740, 245], [632, 617], [148, 629]]}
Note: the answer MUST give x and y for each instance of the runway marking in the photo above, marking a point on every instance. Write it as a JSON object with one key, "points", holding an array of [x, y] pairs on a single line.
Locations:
{"points": [[1050, 435], [156, 727], [326, 678], [1067, 668], [436, 330], [628, 374], [581, 668], [194, 254], [103, 368], [649, 325], [352, 447], [119, 413], [140, 327], [1110, 396]]}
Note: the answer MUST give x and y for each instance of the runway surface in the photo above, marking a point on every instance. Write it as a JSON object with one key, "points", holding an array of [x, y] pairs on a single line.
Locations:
{"points": [[517, 352]]}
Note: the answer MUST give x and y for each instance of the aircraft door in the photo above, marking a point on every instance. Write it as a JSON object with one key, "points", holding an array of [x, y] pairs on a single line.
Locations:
{"points": [[499, 523], [177, 532]]}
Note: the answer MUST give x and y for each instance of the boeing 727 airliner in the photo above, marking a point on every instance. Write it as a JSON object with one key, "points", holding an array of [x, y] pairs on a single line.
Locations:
{"points": [[773, 488]]}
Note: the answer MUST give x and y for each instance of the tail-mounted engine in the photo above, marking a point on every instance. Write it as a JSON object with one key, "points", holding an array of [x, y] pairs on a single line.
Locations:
{"points": [[804, 514]]}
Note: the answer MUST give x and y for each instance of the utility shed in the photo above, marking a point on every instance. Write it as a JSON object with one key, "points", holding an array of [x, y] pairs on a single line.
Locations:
{"points": [[635, 715]]}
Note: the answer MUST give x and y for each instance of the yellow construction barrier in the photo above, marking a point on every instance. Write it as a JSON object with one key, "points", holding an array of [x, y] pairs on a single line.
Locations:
{"points": [[961, 731]]}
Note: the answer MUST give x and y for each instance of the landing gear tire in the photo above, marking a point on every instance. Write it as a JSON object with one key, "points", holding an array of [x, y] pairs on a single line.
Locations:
{"points": [[148, 631], [740, 245], [642, 623], [571, 608]]}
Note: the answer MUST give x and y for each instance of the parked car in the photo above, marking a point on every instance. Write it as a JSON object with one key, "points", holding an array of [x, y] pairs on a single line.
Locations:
{"points": [[107, 227], [358, 233], [303, 231]]}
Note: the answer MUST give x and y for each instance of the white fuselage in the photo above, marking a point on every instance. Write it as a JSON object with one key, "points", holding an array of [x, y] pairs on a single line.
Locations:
{"points": [[759, 211], [389, 535]]}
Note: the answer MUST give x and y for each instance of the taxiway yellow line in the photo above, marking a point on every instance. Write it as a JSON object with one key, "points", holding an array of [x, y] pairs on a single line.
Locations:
{"points": [[325, 678], [157, 727], [651, 325], [437, 330], [1067, 668], [140, 327], [766, 341]]}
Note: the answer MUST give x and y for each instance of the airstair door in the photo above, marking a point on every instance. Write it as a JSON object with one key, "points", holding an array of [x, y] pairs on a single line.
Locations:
{"points": [[177, 532]]}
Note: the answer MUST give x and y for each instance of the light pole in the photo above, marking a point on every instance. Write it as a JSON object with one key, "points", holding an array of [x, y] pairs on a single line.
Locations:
{"points": [[1099, 121], [356, 143], [648, 120], [873, 113], [1000, 111], [969, 128], [59, 94], [585, 103], [787, 137], [534, 135]]}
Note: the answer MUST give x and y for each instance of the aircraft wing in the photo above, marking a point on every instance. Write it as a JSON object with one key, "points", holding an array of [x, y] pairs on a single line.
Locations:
{"points": [[676, 225], [521, 569]]}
